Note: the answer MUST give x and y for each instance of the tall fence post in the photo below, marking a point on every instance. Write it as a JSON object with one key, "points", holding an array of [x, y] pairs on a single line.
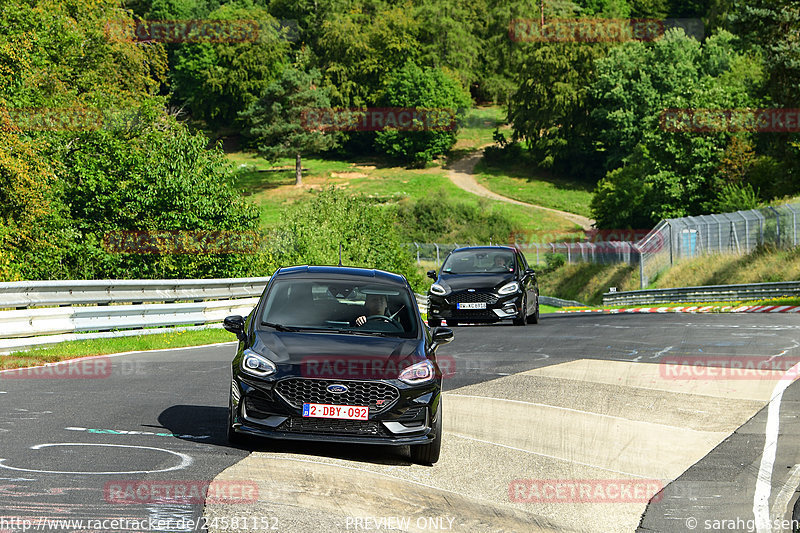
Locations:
{"points": [[642, 280], [437, 255], [777, 225], [671, 259], [417, 245]]}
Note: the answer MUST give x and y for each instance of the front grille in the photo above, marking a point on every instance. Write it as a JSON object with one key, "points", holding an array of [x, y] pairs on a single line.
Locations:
{"points": [[473, 297], [461, 314], [332, 426], [378, 396]]}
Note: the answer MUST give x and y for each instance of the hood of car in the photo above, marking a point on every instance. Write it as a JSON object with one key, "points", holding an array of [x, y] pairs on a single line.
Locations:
{"points": [[292, 348], [460, 282]]}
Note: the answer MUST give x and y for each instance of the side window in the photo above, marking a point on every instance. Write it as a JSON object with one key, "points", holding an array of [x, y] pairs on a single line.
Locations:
{"points": [[522, 263]]}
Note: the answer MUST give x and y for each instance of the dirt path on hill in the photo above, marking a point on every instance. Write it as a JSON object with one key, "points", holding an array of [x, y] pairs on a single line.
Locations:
{"points": [[462, 174]]}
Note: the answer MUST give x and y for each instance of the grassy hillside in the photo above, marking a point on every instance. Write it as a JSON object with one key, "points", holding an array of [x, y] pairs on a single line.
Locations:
{"points": [[587, 282], [271, 186]]}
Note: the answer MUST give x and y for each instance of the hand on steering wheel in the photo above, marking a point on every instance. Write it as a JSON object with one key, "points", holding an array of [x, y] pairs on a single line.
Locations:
{"points": [[388, 319]]}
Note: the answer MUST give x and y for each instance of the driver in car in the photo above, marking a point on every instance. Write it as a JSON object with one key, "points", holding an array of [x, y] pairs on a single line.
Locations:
{"points": [[374, 304]]}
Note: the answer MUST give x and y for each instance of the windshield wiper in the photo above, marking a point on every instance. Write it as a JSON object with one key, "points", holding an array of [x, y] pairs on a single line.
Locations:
{"points": [[279, 327]]}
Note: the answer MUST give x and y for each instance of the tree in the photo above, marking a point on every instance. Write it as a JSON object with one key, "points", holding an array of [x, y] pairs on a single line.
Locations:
{"points": [[678, 169], [278, 122], [218, 80], [430, 90]]}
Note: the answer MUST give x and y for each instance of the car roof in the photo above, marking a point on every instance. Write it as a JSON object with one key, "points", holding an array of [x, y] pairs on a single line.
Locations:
{"points": [[496, 248], [311, 271]]}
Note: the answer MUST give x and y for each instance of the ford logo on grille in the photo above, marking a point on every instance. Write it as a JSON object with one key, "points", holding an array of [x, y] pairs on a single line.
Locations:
{"points": [[337, 389]]}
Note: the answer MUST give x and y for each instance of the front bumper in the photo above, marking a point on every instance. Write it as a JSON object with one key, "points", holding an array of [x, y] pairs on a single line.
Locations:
{"points": [[497, 307], [261, 410]]}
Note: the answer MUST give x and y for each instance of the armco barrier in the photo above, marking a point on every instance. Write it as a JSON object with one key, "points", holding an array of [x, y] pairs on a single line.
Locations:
{"points": [[37, 313], [709, 293]]}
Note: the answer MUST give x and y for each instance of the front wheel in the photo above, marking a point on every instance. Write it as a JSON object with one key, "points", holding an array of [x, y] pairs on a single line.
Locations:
{"points": [[427, 454], [237, 439], [534, 318], [523, 319]]}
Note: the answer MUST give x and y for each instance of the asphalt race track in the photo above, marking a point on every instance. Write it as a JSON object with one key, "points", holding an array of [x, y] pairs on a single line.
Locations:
{"points": [[575, 424]]}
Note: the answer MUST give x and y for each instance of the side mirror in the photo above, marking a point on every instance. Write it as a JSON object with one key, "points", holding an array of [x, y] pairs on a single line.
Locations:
{"points": [[432, 274], [234, 324], [441, 336]]}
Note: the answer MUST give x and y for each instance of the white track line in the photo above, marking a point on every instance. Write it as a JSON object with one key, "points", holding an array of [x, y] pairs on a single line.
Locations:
{"points": [[764, 479]]}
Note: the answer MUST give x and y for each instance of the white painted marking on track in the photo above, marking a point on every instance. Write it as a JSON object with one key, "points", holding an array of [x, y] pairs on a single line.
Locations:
{"points": [[548, 456], [662, 352], [780, 507], [764, 478], [185, 460]]}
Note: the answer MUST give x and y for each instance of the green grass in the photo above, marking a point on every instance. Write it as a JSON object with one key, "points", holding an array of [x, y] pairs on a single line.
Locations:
{"points": [[773, 301], [544, 309], [272, 191], [89, 347], [479, 126], [521, 181]]}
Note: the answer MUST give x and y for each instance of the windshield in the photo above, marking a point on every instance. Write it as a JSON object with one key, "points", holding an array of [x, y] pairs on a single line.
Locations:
{"points": [[371, 308], [479, 262]]}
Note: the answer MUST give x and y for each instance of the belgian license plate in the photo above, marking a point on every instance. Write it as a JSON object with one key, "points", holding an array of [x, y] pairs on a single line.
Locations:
{"points": [[347, 412], [479, 305]]}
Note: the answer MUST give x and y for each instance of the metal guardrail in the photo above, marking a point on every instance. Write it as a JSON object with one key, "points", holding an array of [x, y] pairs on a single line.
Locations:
{"points": [[39, 313], [24, 294], [558, 302], [708, 293]]}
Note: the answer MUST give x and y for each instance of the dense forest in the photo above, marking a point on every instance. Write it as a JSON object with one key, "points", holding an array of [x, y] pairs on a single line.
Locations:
{"points": [[107, 125]]}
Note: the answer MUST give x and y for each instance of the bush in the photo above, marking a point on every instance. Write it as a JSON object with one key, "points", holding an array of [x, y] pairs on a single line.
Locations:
{"points": [[312, 231], [439, 218], [427, 88]]}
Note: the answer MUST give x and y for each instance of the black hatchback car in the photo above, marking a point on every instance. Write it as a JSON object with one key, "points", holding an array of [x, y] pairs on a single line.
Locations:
{"points": [[484, 284], [338, 354]]}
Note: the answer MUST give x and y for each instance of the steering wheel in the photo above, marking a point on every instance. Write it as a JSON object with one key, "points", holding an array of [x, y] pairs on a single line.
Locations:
{"points": [[388, 319]]}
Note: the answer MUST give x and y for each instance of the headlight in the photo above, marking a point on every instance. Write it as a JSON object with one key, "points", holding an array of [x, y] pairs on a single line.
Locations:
{"points": [[418, 373], [438, 290], [509, 288], [256, 364]]}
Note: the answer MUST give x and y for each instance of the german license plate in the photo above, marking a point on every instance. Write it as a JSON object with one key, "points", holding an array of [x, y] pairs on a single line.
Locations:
{"points": [[346, 412], [479, 305]]}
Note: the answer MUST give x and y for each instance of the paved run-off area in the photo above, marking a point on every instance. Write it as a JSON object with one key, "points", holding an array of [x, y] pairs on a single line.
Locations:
{"points": [[611, 422]]}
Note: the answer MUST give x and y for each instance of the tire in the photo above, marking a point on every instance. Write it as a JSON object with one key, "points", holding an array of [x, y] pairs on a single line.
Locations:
{"points": [[523, 320], [428, 454], [434, 322], [234, 438], [534, 318]]}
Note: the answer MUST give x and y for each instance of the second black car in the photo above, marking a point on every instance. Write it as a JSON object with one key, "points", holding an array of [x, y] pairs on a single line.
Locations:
{"points": [[484, 284]]}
